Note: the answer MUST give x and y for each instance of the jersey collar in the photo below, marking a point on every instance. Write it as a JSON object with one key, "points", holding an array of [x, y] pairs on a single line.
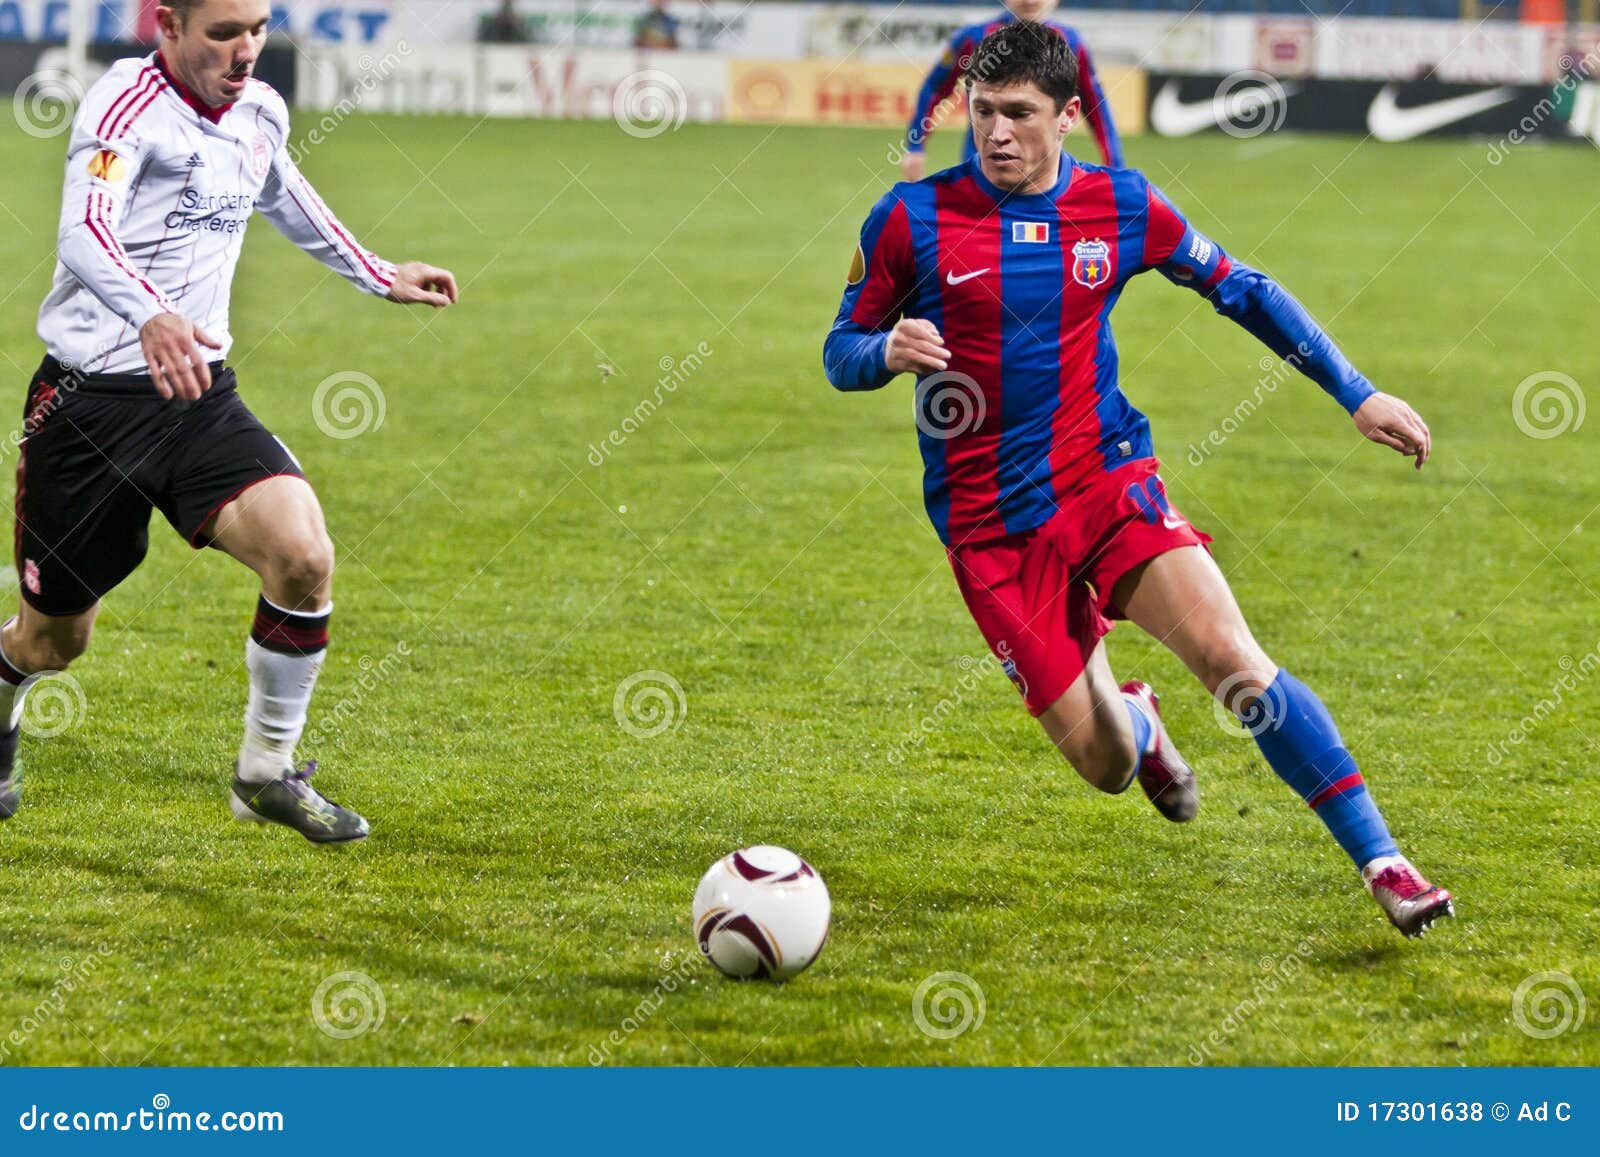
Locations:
{"points": [[1053, 193], [212, 114]]}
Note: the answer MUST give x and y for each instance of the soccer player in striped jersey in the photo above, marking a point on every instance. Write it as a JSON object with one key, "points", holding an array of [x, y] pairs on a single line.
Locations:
{"points": [[993, 283], [956, 61], [134, 408]]}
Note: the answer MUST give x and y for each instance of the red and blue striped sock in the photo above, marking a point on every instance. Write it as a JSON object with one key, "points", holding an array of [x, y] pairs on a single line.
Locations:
{"points": [[1299, 739]]}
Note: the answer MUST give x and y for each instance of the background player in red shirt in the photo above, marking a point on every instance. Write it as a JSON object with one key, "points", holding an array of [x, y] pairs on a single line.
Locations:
{"points": [[957, 59], [993, 282]]}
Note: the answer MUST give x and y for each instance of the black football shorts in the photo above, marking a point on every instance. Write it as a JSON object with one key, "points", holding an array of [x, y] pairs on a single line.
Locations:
{"points": [[100, 451]]}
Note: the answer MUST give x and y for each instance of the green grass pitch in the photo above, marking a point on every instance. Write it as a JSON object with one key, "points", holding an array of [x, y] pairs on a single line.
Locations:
{"points": [[759, 538]]}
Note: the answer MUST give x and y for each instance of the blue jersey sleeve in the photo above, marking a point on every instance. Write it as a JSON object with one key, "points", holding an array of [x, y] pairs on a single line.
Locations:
{"points": [[1251, 299], [882, 277]]}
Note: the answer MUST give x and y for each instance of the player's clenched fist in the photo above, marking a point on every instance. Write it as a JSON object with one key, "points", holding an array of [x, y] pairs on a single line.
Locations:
{"points": [[171, 345], [418, 283], [1387, 420], [915, 347]]}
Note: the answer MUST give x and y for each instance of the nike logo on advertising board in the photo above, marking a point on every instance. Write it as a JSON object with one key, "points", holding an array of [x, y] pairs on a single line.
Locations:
{"points": [[1171, 116], [1387, 121]]}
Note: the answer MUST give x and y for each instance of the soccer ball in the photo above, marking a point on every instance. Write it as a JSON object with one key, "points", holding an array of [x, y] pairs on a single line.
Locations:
{"points": [[761, 911]]}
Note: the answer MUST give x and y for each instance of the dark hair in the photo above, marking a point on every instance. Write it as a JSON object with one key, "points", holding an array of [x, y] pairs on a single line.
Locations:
{"points": [[1023, 52], [183, 9]]}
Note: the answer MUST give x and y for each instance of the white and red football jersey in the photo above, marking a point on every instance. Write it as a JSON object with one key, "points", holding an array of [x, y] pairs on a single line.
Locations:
{"points": [[159, 188]]}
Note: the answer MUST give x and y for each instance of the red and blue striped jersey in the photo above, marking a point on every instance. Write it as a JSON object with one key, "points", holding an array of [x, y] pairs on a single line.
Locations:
{"points": [[1022, 286], [951, 66]]}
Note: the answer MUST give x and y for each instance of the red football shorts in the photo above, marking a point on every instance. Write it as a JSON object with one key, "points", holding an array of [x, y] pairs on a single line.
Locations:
{"points": [[1042, 597]]}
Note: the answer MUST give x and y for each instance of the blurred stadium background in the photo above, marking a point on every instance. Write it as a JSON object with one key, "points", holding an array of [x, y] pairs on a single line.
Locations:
{"points": [[619, 459], [860, 64]]}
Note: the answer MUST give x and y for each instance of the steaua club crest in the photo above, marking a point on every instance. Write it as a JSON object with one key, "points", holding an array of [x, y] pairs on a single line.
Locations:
{"points": [[260, 155], [1091, 263]]}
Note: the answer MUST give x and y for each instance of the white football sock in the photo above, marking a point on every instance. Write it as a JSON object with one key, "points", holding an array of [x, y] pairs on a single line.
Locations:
{"points": [[11, 694], [275, 716]]}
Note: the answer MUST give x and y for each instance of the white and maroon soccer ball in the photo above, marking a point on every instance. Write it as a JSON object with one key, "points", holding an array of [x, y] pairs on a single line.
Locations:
{"points": [[762, 912]]}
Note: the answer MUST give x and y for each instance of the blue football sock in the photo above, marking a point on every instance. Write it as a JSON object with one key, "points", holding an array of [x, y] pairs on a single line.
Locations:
{"points": [[1298, 737]]}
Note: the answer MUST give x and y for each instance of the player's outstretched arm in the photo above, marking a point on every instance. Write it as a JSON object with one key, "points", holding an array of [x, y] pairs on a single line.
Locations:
{"points": [[417, 283], [1260, 305], [295, 210]]}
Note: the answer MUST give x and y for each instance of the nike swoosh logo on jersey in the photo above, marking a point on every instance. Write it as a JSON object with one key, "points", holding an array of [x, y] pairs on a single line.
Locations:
{"points": [[951, 278], [1173, 117], [1387, 121]]}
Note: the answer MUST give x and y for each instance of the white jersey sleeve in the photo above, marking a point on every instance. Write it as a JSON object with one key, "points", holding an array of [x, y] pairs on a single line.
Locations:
{"points": [[295, 210], [105, 157]]}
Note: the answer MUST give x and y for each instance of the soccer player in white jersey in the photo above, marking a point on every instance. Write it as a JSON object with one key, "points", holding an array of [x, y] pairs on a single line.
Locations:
{"points": [[133, 408]]}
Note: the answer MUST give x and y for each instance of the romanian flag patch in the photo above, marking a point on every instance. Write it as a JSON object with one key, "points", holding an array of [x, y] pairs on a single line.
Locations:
{"points": [[1037, 232]]}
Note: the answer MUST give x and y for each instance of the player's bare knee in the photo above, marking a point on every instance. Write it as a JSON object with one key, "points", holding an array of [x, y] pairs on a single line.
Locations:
{"points": [[1235, 667], [304, 570]]}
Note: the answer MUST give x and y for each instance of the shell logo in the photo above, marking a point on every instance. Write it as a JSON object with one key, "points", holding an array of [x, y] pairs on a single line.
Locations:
{"points": [[764, 94]]}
